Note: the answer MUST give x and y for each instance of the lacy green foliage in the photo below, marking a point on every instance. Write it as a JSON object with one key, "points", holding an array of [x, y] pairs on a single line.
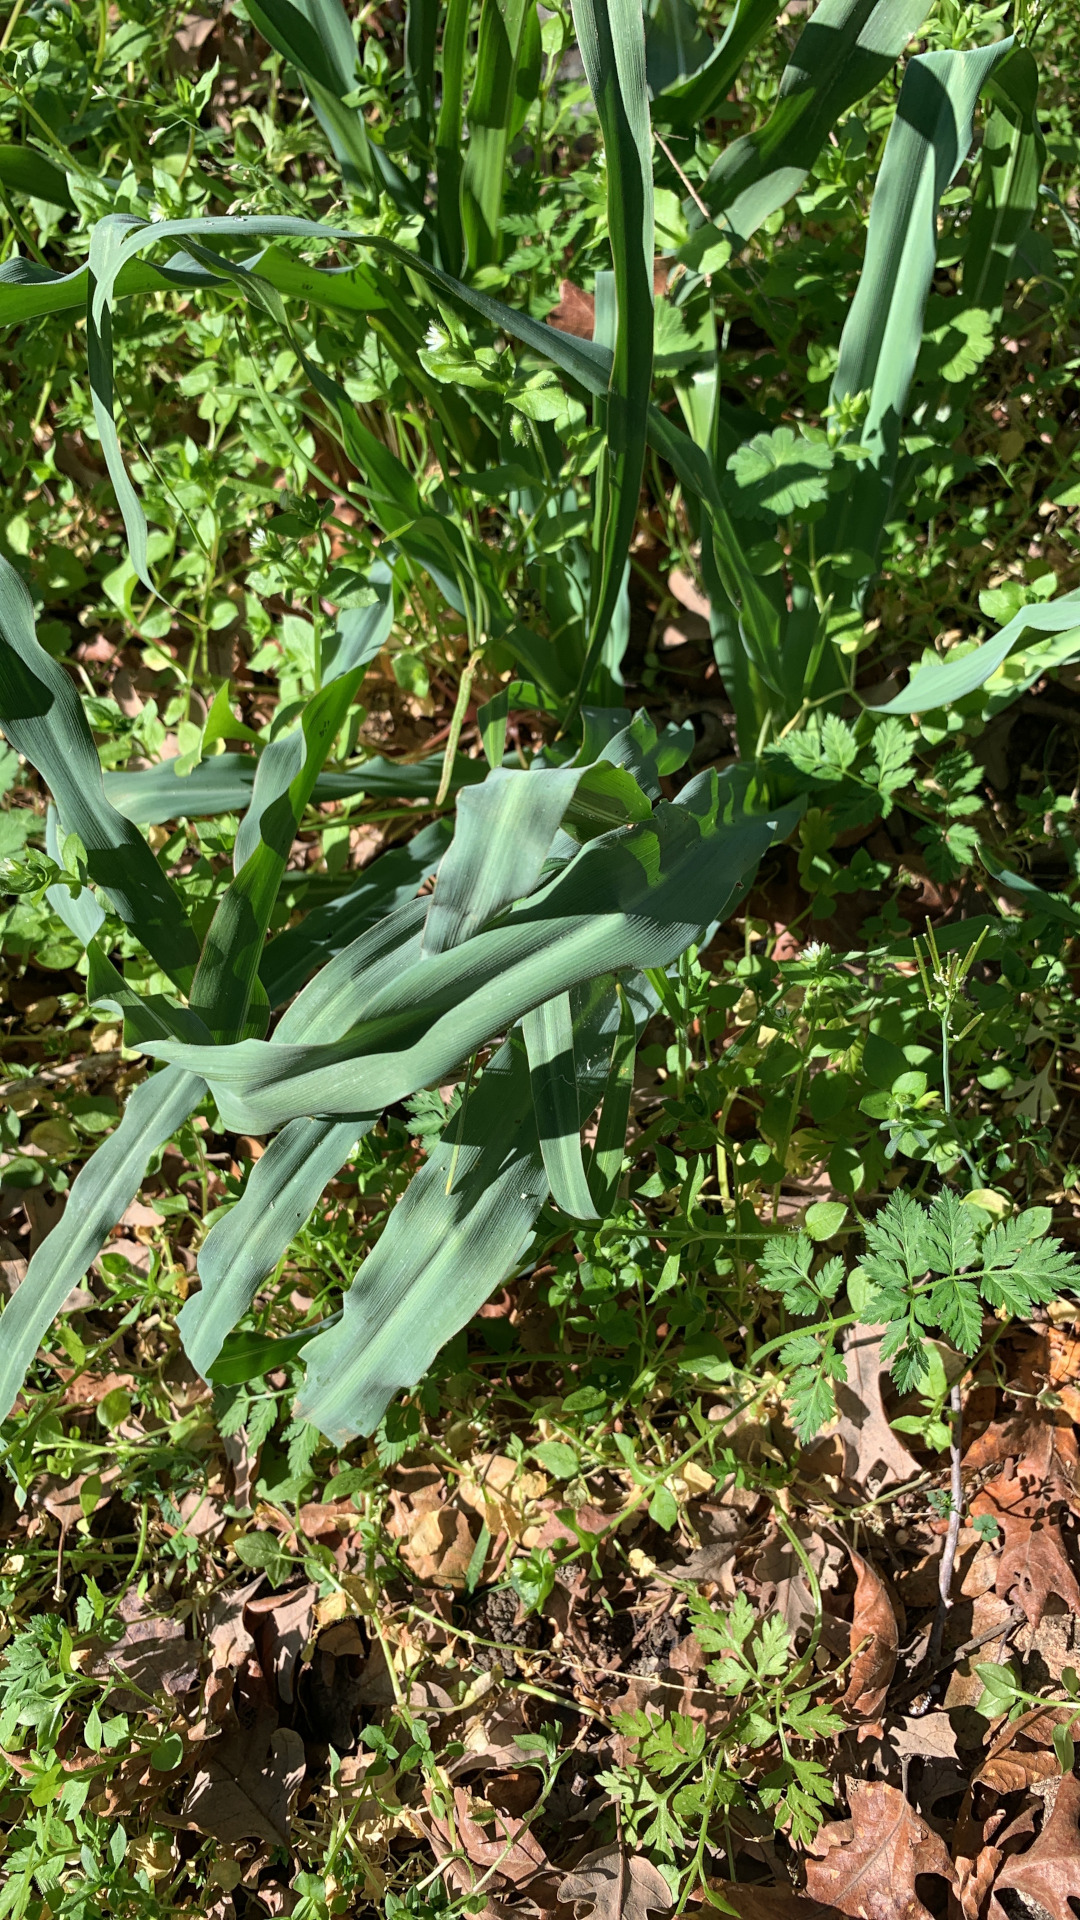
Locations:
{"points": [[928, 1270], [681, 1775]]}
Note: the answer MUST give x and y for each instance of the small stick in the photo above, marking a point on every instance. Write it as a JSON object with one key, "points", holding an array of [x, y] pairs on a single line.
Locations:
{"points": [[948, 1558], [953, 1658]]}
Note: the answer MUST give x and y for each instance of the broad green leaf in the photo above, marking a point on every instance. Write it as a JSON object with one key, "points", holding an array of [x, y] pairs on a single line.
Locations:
{"points": [[389, 882], [341, 993], [28, 290], [1034, 898], [504, 832], [224, 784], [845, 49], [421, 28], [244, 1248], [284, 782], [315, 36], [247, 1356], [1011, 161], [145, 1016], [82, 912], [928, 142], [631, 899], [42, 717], [694, 96], [103, 1190], [491, 114], [25, 170], [463, 1225], [611, 36], [637, 1002], [502, 837], [941, 682], [361, 632], [549, 1043], [448, 141]]}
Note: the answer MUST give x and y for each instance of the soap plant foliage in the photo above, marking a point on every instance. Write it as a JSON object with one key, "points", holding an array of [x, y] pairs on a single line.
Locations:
{"points": [[562, 887]]}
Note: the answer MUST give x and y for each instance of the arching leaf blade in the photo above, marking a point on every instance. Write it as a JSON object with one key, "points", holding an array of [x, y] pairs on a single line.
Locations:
{"points": [[244, 1248], [105, 1187], [42, 716]]}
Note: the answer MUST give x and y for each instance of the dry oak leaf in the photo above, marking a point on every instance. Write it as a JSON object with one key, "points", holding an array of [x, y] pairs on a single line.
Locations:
{"points": [[874, 1456], [867, 1866], [64, 1498], [1045, 1457], [507, 1845], [1034, 1563], [250, 1775], [874, 1642], [230, 1646], [779, 1568], [1022, 1750], [440, 1546], [576, 309], [283, 1623], [763, 1903], [1050, 1357], [931, 1736], [153, 1650], [613, 1885], [496, 1488], [976, 1859], [1049, 1872], [575, 313]]}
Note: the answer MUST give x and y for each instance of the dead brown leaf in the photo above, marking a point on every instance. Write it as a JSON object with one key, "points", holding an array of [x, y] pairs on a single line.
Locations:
{"points": [[575, 313], [1050, 1357], [874, 1456], [244, 1789], [1049, 1872], [327, 1520], [976, 1860], [329, 1687], [202, 1513], [507, 1844], [867, 1866], [283, 1624], [874, 1642], [242, 1461], [786, 1588], [153, 1650], [764, 1903], [1034, 1563], [713, 1562], [440, 1546], [12, 1267], [64, 1498], [611, 1884], [230, 1647], [930, 1735], [1022, 1751], [1045, 1461]]}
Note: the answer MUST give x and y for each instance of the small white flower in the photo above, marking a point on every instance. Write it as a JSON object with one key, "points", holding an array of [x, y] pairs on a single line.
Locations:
{"points": [[435, 339]]}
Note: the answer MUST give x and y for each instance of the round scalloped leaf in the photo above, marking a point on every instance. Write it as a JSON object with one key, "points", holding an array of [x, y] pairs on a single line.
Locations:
{"points": [[778, 472]]}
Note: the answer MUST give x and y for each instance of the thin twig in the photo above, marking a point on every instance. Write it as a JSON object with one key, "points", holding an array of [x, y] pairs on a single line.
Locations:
{"points": [[948, 1558], [919, 1682], [688, 184]]}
